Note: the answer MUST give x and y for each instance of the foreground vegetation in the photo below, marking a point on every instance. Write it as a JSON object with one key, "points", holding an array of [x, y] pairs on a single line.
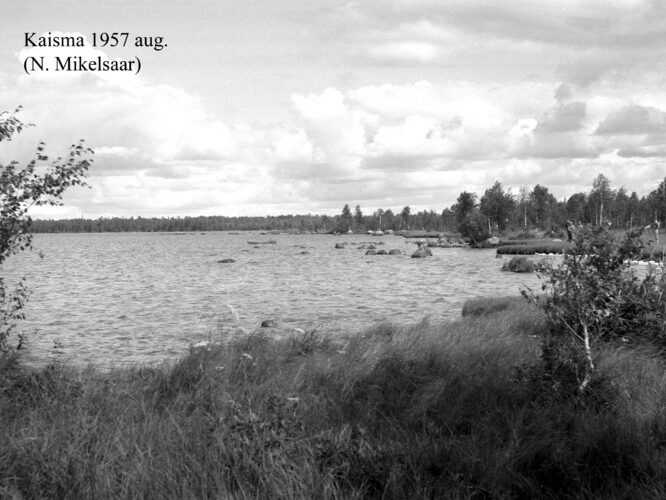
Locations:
{"points": [[455, 410]]}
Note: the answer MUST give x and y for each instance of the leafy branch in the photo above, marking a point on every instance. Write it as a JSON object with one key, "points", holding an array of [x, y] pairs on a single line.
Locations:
{"points": [[39, 183]]}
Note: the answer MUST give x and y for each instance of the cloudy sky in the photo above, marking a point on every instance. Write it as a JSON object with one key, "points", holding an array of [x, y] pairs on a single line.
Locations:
{"points": [[261, 107]]}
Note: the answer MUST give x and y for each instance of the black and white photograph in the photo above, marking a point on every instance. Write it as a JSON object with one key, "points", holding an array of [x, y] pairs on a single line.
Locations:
{"points": [[318, 249]]}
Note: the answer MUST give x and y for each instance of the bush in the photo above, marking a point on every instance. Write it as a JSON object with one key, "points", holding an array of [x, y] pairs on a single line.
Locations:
{"points": [[596, 296], [39, 183], [475, 227]]}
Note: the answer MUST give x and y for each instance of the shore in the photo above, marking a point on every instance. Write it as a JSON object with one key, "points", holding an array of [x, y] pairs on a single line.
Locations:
{"points": [[422, 411]]}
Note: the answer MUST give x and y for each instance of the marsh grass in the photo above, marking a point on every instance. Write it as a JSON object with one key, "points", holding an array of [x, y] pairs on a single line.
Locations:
{"points": [[652, 251], [530, 248], [454, 410]]}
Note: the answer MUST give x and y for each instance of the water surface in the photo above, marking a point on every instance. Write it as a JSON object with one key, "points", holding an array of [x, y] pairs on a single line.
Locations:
{"points": [[116, 298]]}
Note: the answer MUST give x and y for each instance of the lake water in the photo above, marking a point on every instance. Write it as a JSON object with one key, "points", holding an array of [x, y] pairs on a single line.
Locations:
{"points": [[117, 298]]}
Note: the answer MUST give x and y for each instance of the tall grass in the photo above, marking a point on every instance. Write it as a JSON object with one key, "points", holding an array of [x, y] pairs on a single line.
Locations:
{"points": [[554, 247], [423, 411]]}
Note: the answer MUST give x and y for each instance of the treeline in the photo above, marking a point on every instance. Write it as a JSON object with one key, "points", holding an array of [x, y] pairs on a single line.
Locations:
{"points": [[499, 209], [168, 224], [496, 210]]}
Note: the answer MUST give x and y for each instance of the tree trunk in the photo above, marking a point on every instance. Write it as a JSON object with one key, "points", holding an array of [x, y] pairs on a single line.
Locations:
{"points": [[589, 364], [525, 215]]}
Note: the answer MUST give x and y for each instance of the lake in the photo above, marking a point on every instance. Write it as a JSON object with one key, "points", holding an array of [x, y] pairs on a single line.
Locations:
{"points": [[117, 298]]}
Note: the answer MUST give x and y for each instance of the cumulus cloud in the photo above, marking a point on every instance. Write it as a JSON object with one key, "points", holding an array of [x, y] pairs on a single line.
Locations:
{"points": [[643, 152], [563, 118], [415, 143], [440, 98], [633, 120], [157, 151]]}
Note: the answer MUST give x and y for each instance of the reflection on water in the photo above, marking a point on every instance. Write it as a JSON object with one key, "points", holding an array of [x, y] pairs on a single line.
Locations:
{"points": [[143, 297]]}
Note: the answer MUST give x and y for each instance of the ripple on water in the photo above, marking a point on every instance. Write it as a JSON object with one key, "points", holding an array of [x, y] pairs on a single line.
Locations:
{"points": [[143, 297]]}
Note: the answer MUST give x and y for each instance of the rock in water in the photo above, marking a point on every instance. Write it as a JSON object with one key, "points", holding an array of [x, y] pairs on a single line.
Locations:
{"points": [[269, 323], [421, 253]]}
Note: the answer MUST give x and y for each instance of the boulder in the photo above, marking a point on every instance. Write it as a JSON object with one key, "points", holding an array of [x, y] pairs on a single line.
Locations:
{"points": [[523, 264], [371, 252], [395, 251], [382, 252], [269, 323], [421, 253], [339, 245], [225, 261], [268, 242], [372, 247]]}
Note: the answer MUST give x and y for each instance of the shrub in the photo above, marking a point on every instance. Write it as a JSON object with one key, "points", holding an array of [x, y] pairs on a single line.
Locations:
{"points": [[475, 227], [39, 183], [595, 296]]}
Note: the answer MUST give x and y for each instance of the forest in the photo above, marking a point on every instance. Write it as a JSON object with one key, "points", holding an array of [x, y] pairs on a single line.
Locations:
{"points": [[497, 208]]}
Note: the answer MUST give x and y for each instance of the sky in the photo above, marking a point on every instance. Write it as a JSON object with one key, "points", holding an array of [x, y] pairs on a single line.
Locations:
{"points": [[259, 107]]}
